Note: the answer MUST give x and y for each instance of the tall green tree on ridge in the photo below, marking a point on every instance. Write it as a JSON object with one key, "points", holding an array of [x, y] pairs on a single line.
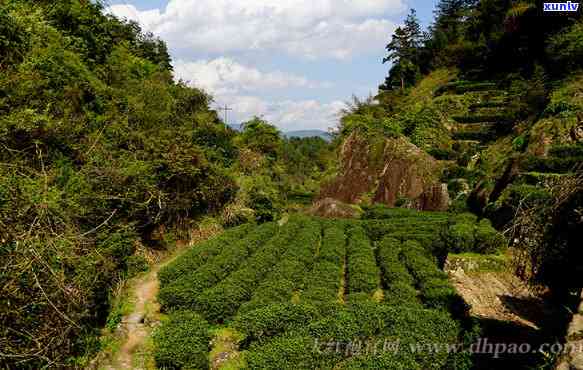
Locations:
{"points": [[404, 52]]}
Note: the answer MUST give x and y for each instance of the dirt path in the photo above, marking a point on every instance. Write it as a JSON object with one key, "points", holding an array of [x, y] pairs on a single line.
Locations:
{"points": [[135, 325], [133, 333], [135, 328]]}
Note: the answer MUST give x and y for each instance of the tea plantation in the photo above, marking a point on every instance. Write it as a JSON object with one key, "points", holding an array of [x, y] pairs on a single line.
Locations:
{"points": [[322, 294]]}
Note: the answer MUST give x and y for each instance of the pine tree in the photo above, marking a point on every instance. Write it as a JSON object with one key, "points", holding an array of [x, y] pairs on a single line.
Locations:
{"points": [[449, 15], [404, 50]]}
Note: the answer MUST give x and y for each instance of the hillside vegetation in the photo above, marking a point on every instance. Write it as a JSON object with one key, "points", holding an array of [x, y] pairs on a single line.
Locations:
{"points": [[287, 289], [481, 93], [104, 160]]}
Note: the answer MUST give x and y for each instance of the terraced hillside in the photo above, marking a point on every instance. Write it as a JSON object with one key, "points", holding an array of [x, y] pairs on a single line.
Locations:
{"points": [[314, 293]]}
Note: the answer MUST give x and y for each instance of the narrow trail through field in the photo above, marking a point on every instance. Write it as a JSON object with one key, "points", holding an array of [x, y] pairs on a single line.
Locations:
{"points": [[135, 327]]}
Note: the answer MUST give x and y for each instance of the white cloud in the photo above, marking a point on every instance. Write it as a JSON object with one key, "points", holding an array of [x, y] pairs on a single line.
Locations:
{"points": [[288, 115], [306, 28], [230, 82], [225, 76]]}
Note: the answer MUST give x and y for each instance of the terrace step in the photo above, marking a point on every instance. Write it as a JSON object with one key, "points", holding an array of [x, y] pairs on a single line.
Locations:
{"points": [[534, 178], [482, 118], [557, 165], [485, 126]]}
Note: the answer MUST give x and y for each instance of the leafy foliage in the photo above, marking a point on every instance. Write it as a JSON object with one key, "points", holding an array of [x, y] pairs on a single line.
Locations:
{"points": [[182, 342], [101, 150]]}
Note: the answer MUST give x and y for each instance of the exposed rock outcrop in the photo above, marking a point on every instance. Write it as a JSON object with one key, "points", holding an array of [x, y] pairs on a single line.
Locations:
{"points": [[573, 358], [332, 208], [399, 170]]}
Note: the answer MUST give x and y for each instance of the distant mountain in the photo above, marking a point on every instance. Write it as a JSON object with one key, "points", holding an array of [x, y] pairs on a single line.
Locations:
{"points": [[309, 133], [299, 133], [236, 126]]}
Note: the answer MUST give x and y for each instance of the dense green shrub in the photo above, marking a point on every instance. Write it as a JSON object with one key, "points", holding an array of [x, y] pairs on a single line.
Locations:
{"points": [[184, 291], [182, 342], [197, 256], [288, 352], [460, 87], [322, 284], [488, 240], [363, 274], [461, 237], [551, 164], [397, 281], [223, 300], [466, 234], [436, 290], [274, 319], [253, 284]]}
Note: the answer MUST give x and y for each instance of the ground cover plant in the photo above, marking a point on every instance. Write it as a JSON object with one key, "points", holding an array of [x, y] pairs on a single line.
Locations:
{"points": [[298, 286]]}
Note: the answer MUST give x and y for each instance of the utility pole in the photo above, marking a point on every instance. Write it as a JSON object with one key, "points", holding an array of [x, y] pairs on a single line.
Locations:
{"points": [[226, 109]]}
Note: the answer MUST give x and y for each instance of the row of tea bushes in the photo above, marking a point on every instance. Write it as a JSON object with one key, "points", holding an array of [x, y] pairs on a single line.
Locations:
{"points": [[223, 300], [288, 275], [182, 292], [363, 272], [330, 342], [199, 255], [436, 290], [397, 281], [322, 285]]}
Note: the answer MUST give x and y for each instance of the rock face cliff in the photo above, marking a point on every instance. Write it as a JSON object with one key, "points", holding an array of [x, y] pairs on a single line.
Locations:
{"points": [[392, 171]]}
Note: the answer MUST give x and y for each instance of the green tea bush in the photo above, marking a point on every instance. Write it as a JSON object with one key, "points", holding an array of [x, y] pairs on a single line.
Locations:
{"points": [[402, 294], [200, 254], [363, 273], [397, 280], [405, 324], [182, 342], [288, 352], [290, 271], [222, 301], [466, 234], [460, 87], [488, 240], [461, 237], [333, 246], [183, 291], [322, 284], [436, 290], [274, 319]]}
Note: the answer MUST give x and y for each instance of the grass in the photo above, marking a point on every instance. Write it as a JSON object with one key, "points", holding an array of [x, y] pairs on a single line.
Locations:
{"points": [[226, 340], [476, 263]]}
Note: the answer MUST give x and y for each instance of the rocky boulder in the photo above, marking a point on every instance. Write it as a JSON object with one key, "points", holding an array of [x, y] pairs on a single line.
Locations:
{"points": [[387, 172]]}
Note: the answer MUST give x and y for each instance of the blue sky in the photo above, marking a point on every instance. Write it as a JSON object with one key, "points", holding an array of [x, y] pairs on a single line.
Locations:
{"points": [[294, 62]]}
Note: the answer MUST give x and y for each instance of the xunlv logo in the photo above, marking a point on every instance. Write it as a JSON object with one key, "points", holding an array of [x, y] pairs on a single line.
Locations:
{"points": [[561, 7]]}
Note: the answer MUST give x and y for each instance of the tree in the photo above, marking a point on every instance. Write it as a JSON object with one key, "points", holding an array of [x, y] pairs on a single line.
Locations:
{"points": [[258, 135], [449, 15], [403, 52]]}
